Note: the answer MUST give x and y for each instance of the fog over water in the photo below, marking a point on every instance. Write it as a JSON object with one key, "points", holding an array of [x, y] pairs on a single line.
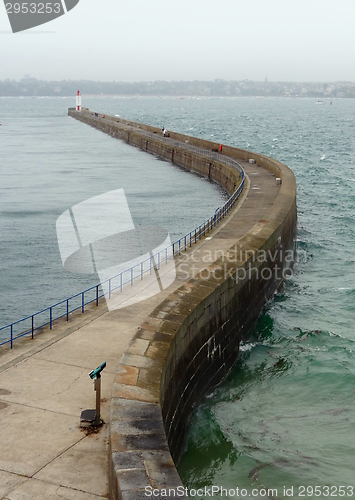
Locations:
{"points": [[304, 40]]}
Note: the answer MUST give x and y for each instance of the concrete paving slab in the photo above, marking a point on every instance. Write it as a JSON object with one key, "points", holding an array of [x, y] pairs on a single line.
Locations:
{"points": [[8, 482], [82, 467], [52, 386], [26, 346], [30, 438], [33, 489], [96, 342]]}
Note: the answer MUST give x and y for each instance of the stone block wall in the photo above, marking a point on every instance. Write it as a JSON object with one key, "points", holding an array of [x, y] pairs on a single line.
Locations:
{"points": [[191, 340]]}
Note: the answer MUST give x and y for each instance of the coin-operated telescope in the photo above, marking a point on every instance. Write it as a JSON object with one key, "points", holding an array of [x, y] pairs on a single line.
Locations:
{"points": [[90, 418]]}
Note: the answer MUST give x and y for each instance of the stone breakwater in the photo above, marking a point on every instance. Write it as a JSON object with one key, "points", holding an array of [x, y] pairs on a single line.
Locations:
{"points": [[189, 342]]}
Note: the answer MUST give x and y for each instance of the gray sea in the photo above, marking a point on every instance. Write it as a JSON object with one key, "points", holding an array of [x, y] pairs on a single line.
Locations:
{"points": [[284, 417], [50, 162]]}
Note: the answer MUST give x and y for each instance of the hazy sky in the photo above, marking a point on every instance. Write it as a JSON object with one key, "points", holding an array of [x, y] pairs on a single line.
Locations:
{"points": [[136, 40]]}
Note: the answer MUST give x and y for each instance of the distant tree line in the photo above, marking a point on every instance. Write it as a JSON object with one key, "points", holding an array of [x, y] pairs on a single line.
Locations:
{"points": [[32, 87]]}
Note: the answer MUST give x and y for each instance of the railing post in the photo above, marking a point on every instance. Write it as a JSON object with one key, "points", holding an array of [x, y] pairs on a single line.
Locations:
{"points": [[173, 249], [11, 335], [185, 243], [195, 235], [97, 295], [141, 271], [158, 261], [109, 288], [32, 328], [131, 276], [82, 302], [179, 246], [121, 281], [50, 318], [67, 309]]}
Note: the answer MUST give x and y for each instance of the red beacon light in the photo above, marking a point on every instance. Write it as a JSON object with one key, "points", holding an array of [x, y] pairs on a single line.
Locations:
{"points": [[78, 101]]}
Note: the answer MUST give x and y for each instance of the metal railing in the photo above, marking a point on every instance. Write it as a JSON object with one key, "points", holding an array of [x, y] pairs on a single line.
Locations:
{"points": [[28, 325]]}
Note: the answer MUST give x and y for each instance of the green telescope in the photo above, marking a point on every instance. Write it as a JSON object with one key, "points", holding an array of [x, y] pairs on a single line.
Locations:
{"points": [[97, 371]]}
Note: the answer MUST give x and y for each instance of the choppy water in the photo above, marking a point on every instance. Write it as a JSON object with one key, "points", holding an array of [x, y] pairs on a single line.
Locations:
{"points": [[285, 415]]}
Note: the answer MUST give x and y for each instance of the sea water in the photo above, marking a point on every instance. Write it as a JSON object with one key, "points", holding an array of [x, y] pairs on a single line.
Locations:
{"points": [[284, 417], [50, 162]]}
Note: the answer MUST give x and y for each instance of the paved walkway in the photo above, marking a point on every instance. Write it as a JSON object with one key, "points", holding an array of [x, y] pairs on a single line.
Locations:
{"points": [[44, 383]]}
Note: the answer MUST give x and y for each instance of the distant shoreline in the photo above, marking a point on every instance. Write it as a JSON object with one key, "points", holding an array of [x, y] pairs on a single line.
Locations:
{"points": [[32, 87], [177, 97]]}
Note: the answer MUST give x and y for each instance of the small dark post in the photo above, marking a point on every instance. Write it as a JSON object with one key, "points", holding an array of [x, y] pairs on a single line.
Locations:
{"points": [[98, 399]]}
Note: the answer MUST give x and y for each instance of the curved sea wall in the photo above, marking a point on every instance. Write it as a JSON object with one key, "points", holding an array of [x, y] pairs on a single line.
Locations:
{"points": [[189, 342], [136, 134]]}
